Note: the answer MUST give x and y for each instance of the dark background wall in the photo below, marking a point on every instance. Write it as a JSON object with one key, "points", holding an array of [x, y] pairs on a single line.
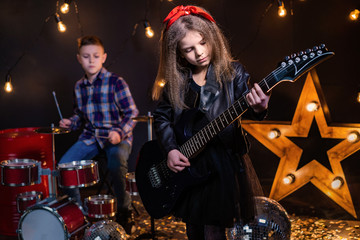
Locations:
{"points": [[258, 38]]}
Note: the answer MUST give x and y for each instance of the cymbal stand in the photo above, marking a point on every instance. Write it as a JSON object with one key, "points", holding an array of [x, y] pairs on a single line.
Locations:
{"points": [[153, 233]]}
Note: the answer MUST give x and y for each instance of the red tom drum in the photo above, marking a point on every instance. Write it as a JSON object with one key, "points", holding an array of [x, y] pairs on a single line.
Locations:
{"points": [[82, 173], [100, 206], [20, 172], [131, 184], [27, 199]]}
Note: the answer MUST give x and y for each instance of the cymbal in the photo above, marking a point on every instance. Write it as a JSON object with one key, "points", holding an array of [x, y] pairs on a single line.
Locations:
{"points": [[142, 118], [52, 130]]}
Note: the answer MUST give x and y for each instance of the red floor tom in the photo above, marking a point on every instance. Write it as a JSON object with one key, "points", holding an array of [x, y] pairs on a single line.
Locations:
{"points": [[27, 199], [100, 206], [20, 172], [59, 219], [82, 173]]}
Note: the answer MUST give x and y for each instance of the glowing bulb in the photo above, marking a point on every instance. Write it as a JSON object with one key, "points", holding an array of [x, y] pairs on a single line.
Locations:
{"points": [[161, 83], [312, 106], [353, 136], [282, 10], [354, 15], [358, 97], [337, 183], [148, 30], [274, 133], [290, 178], [61, 27], [65, 8], [8, 86]]}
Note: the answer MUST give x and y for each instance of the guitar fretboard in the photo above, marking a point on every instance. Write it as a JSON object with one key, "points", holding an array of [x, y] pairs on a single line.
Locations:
{"points": [[201, 138]]}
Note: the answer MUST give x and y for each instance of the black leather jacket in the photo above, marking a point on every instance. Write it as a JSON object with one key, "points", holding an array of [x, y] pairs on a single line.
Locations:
{"points": [[213, 101]]}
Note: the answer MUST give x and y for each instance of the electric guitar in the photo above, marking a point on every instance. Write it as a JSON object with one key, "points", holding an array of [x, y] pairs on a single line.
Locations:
{"points": [[159, 187]]}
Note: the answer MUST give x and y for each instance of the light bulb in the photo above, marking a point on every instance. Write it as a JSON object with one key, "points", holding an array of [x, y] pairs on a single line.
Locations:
{"points": [[358, 97], [354, 15], [353, 137], [282, 10], [312, 106], [290, 178], [148, 30], [61, 27], [161, 83], [337, 183], [65, 8], [274, 133], [8, 86]]}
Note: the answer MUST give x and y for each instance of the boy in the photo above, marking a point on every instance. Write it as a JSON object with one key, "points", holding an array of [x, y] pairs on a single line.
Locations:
{"points": [[103, 103]]}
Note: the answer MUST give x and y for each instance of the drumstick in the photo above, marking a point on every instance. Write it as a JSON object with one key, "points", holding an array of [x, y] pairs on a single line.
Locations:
{"points": [[102, 137], [57, 105]]}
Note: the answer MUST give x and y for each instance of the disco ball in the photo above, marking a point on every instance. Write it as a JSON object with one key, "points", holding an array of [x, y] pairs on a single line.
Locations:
{"points": [[105, 230], [271, 223]]}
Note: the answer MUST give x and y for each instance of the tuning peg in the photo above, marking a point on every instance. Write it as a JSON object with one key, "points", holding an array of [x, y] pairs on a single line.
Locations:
{"points": [[315, 48], [300, 53], [322, 46], [307, 51], [294, 55], [287, 58]]}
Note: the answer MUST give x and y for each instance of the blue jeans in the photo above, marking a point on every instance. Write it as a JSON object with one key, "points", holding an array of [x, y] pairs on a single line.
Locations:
{"points": [[117, 164]]}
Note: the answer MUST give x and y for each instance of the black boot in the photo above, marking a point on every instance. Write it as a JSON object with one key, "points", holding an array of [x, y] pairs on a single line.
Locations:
{"points": [[127, 221]]}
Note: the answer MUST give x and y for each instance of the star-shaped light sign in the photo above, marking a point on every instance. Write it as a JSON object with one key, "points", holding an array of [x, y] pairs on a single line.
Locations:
{"points": [[289, 178]]}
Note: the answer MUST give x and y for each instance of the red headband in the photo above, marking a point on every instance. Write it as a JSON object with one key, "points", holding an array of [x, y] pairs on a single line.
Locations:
{"points": [[180, 11]]}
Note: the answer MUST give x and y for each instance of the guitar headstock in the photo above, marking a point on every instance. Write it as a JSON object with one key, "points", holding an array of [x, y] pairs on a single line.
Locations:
{"points": [[295, 65]]}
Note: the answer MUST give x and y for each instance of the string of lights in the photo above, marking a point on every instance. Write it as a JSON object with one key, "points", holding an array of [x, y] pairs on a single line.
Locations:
{"points": [[65, 8]]}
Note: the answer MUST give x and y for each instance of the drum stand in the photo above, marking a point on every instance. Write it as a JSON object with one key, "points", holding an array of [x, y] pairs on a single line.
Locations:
{"points": [[153, 233], [52, 174]]}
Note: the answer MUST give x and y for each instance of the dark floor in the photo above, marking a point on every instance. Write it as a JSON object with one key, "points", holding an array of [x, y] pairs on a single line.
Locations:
{"points": [[301, 227]]}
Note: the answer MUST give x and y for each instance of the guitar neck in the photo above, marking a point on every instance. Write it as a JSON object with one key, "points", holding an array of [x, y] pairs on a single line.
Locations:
{"points": [[201, 138]]}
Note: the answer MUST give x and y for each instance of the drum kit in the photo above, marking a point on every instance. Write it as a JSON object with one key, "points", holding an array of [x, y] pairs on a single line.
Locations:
{"points": [[57, 217], [60, 217]]}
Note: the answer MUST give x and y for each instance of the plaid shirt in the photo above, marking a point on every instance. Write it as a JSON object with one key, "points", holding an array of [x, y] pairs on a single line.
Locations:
{"points": [[104, 105]]}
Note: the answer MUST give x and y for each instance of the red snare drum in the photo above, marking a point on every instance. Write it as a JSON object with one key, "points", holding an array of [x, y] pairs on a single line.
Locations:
{"points": [[27, 199], [20, 172], [131, 184], [100, 206], [58, 219], [82, 173]]}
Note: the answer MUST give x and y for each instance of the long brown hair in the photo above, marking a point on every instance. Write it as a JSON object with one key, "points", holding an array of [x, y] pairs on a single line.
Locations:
{"points": [[172, 67]]}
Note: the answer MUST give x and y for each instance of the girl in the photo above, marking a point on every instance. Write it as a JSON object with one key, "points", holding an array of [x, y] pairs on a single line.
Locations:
{"points": [[201, 81]]}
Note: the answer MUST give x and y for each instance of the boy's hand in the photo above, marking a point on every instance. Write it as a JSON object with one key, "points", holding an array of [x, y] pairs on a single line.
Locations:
{"points": [[65, 123], [114, 137]]}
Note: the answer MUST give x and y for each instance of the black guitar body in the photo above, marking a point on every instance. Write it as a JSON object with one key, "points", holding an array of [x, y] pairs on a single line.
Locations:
{"points": [[159, 191]]}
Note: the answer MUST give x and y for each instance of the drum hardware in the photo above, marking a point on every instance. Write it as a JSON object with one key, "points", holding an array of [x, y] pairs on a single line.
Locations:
{"points": [[52, 130]]}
